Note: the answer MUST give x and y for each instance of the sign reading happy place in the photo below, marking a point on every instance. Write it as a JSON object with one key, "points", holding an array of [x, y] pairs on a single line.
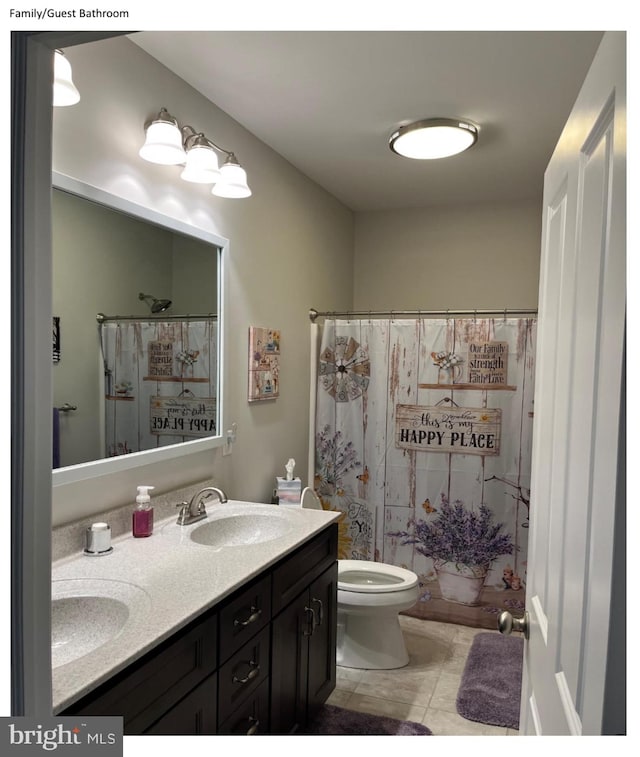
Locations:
{"points": [[461, 430], [183, 416]]}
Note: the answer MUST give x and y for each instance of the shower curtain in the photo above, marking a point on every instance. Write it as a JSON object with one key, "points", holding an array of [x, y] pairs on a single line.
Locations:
{"points": [[423, 442], [160, 382]]}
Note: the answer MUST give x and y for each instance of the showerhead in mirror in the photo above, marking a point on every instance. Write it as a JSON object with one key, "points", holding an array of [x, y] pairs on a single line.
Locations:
{"points": [[156, 305]]}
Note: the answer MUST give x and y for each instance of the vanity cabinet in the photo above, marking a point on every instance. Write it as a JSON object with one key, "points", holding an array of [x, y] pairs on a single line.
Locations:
{"points": [[154, 687], [259, 662], [304, 654]]}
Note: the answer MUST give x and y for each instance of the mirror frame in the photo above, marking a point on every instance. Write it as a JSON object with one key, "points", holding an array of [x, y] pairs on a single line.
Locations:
{"points": [[106, 466]]}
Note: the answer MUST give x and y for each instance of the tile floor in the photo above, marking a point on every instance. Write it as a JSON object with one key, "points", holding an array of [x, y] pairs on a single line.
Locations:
{"points": [[425, 690]]}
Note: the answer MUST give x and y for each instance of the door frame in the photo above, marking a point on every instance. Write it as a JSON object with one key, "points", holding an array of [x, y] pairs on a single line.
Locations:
{"points": [[32, 56]]}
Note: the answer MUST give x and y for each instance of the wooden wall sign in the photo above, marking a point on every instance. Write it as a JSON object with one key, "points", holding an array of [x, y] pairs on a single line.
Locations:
{"points": [[488, 363], [160, 359], [182, 416], [460, 430]]}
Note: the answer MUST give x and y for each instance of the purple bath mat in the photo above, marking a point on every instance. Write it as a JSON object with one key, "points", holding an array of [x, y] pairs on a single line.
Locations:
{"points": [[490, 687], [337, 721]]}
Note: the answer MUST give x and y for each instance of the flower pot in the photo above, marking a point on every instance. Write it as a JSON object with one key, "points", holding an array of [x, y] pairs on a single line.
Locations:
{"points": [[460, 583]]}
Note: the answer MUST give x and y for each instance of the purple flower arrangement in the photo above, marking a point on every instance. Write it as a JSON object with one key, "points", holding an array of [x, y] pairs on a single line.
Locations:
{"points": [[334, 459], [458, 535]]}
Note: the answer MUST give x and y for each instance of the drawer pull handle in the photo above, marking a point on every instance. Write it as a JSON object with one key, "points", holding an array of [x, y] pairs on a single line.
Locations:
{"points": [[320, 610], [255, 614], [254, 728], [255, 670]]}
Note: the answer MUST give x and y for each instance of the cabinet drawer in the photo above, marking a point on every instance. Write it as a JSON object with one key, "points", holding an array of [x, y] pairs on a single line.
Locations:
{"points": [[147, 689], [194, 715], [303, 566], [244, 616], [252, 717], [243, 673]]}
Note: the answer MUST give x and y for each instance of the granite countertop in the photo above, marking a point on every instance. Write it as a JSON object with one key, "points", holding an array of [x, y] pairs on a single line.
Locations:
{"points": [[167, 580]]}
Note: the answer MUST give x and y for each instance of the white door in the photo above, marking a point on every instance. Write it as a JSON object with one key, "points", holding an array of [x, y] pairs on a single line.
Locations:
{"points": [[577, 409]]}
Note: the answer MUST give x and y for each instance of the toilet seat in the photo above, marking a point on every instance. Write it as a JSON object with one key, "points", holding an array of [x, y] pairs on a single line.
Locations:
{"points": [[368, 577]]}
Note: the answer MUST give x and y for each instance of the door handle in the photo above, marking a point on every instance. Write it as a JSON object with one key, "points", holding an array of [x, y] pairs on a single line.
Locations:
{"points": [[507, 623], [314, 600], [310, 612]]}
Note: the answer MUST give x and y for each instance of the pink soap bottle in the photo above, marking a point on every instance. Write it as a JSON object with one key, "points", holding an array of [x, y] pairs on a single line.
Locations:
{"points": [[142, 519]]}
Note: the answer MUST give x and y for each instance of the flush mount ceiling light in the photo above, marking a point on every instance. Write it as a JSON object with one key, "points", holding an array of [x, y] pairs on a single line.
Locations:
{"points": [[64, 90], [168, 143], [433, 138]]}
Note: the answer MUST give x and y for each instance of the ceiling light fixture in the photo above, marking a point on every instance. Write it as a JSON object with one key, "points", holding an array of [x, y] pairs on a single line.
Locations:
{"points": [[64, 90], [433, 138], [168, 143]]}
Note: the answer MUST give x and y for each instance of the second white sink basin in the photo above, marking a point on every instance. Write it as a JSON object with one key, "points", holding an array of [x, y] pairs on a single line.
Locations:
{"points": [[240, 530], [88, 613]]}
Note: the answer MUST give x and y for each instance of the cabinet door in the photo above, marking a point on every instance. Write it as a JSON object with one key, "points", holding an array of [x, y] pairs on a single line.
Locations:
{"points": [[193, 716], [289, 662], [150, 687], [322, 642]]}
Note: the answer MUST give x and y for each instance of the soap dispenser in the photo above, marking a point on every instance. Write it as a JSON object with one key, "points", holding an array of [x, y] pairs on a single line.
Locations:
{"points": [[143, 514]]}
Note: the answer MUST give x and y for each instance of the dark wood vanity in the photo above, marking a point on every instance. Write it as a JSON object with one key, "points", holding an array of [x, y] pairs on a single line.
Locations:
{"points": [[262, 661]]}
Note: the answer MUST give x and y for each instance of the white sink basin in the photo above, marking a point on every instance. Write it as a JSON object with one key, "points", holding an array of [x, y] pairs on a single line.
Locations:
{"points": [[233, 524], [240, 530], [88, 613]]}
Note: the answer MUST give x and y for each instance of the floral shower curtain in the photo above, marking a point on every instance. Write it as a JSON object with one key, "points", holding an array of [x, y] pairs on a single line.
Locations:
{"points": [[423, 442], [161, 380]]}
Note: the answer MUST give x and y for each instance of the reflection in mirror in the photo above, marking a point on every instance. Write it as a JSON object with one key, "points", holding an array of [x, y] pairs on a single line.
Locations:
{"points": [[144, 373]]}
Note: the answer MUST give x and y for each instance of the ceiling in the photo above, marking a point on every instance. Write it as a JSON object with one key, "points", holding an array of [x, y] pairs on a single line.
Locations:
{"points": [[328, 101]]}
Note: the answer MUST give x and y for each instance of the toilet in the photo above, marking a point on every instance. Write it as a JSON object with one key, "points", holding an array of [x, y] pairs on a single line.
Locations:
{"points": [[370, 596]]}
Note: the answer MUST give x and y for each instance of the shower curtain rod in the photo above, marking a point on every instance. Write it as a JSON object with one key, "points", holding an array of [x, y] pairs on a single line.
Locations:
{"points": [[102, 318], [313, 313]]}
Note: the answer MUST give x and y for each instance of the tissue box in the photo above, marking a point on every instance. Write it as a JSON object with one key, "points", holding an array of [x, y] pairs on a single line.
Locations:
{"points": [[289, 491]]}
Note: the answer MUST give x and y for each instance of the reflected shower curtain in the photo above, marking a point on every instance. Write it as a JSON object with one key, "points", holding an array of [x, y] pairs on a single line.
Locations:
{"points": [[423, 442], [161, 380]]}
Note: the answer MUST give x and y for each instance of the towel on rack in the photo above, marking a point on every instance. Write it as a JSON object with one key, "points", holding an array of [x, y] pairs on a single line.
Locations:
{"points": [[56, 438]]}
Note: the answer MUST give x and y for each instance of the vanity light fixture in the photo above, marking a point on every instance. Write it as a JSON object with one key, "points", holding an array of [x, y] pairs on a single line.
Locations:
{"points": [[433, 138], [168, 143], [64, 90]]}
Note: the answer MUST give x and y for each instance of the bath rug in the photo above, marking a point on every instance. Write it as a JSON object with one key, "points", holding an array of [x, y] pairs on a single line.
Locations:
{"points": [[338, 721], [490, 688]]}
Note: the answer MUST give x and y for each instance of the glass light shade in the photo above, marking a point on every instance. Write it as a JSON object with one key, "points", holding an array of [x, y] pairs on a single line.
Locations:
{"points": [[434, 138], [64, 90], [201, 166], [232, 183], [163, 144]]}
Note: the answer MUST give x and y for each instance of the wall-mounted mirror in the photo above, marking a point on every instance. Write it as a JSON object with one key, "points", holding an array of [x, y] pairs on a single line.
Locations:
{"points": [[137, 333]]}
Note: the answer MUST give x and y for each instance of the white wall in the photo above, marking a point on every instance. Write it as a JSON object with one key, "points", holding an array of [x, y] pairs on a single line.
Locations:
{"points": [[291, 248], [478, 256]]}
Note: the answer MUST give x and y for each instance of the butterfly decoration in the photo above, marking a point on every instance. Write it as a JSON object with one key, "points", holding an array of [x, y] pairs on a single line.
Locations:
{"points": [[364, 477], [428, 507]]}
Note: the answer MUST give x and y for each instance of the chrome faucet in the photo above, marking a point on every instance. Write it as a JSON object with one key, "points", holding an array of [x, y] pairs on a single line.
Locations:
{"points": [[195, 510]]}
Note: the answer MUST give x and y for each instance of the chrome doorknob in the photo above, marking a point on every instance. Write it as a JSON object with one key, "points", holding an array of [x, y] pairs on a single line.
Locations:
{"points": [[507, 623]]}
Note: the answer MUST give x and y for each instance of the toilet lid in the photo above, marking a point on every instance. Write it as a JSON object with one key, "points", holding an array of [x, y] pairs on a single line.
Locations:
{"points": [[366, 576]]}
